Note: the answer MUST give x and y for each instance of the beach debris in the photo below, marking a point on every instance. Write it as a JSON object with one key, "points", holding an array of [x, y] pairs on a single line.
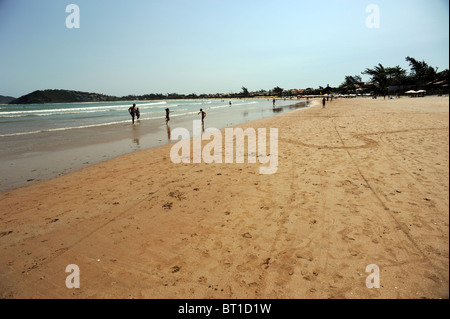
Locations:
{"points": [[398, 191], [167, 205], [427, 199], [247, 235]]}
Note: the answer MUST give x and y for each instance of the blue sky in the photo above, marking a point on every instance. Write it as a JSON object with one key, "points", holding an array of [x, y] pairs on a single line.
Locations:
{"points": [[210, 46]]}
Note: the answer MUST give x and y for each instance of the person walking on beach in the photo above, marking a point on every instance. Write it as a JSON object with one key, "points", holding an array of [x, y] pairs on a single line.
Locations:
{"points": [[324, 102], [203, 115], [132, 111], [273, 102], [167, 115]]}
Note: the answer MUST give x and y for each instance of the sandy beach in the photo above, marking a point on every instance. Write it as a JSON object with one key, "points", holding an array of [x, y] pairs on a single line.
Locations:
{"points": [[361, 182]]}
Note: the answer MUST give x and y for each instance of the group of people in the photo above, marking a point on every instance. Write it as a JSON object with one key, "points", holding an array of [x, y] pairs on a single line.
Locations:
{"points": [[135, 113]]}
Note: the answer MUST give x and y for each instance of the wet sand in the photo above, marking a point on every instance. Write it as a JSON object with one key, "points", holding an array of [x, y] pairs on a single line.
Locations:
{"points": [[360, 182], [32, 158]]}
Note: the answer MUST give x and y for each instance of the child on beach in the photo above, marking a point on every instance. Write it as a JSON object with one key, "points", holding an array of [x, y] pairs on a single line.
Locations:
{"points": [[203, 115], [138, 113]]}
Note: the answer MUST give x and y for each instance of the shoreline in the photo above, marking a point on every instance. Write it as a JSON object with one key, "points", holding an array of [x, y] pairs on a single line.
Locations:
{"points": [[55, 153], [360, 182]]}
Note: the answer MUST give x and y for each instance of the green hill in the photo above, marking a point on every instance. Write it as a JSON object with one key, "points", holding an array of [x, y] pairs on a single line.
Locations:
{"points": [[61, 96], [6, 99]]}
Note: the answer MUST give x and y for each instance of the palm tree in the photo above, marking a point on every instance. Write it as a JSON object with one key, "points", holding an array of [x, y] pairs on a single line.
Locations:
{"points": [[379, 77]]}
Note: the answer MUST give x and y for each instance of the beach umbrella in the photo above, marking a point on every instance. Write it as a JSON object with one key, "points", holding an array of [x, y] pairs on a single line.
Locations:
{"points": [[421, 91], [411, 92]]}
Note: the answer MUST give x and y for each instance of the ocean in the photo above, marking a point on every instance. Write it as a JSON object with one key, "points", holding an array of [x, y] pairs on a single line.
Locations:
{"points": [[38, 118], [42, 141]]}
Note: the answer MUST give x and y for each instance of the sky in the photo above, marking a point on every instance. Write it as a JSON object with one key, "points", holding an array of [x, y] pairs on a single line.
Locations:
{"points": [[211, 46]]}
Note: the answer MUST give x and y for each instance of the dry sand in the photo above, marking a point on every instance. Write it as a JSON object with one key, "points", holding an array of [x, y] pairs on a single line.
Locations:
{"points": [[361, 182]]}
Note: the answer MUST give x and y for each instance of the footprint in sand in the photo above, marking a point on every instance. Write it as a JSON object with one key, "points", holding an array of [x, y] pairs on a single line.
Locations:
{"points": [[266, 263], [5, 233], [175, 269], [178, 195]]}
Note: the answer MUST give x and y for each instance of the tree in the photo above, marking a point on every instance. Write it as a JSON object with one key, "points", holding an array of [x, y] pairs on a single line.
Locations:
{"points": [[443, 75], [395, 76], [421, 72], [350, 82], [278, 91], [245, 92], [379, 77]]}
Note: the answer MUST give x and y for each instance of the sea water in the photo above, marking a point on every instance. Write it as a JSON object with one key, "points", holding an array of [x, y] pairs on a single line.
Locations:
{"points": [[42, 141], [38, 118]]}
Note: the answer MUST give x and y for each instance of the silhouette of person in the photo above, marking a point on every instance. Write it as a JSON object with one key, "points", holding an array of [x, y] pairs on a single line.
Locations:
{"points": [[168, 115], [132, 111], [323, 102], [203, 115]]}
